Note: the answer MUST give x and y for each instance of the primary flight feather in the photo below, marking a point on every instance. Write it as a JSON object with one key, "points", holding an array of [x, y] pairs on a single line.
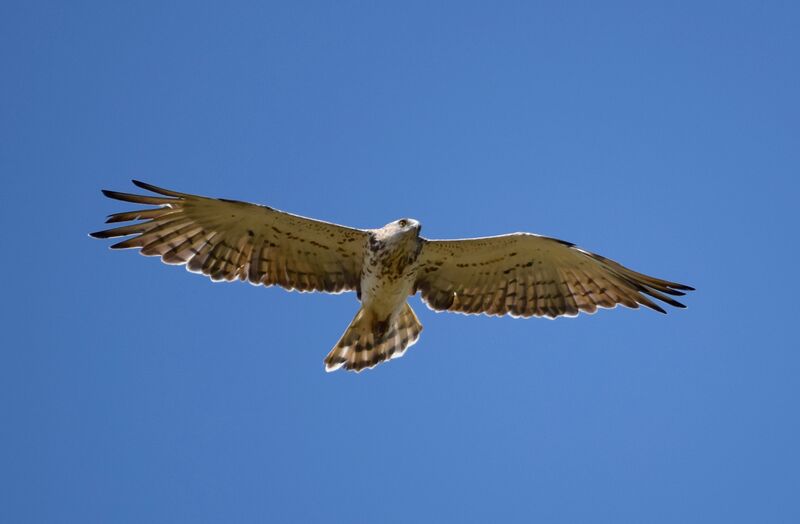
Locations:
{"points": [[520, 274]]}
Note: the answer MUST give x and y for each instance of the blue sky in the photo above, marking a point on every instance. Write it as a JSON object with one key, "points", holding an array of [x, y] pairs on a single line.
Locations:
{"points": [[665, 136]]}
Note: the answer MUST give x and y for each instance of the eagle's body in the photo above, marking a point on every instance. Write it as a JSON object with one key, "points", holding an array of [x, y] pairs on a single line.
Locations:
{"points": [[385, 326], [520, 274], [390, 267]]}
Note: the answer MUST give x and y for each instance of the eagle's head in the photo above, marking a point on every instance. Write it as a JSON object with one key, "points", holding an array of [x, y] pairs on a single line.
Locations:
{"points": [[403, 232], [404, 227]]}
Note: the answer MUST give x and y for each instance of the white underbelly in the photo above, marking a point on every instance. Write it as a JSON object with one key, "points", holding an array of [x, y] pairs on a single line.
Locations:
{"points": [[384, 295]]}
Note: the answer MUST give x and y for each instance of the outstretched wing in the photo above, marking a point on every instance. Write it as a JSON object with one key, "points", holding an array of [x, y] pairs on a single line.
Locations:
{"points": [[525, 275], [228, 240]]}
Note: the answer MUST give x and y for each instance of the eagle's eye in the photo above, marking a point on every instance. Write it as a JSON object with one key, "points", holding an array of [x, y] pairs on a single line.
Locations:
{"points": [[403, 223]]}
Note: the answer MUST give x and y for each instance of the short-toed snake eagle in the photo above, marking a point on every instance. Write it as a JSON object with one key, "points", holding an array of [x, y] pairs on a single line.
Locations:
{"points": [[520, 274]]}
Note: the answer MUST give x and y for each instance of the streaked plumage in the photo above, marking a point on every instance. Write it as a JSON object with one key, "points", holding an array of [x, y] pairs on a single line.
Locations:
{"points": [[520, 274]]}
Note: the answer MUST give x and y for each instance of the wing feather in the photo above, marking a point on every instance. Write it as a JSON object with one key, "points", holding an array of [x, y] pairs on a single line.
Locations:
{"points": [[530, 275], [228, 240]]}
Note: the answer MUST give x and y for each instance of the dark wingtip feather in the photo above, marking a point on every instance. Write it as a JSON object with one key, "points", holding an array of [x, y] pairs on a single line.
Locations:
{"points": [[138, 199], [99, 234], [664, 298], [116, 195], [144, 185], [126, 244], [656, 307], [156, 189]]}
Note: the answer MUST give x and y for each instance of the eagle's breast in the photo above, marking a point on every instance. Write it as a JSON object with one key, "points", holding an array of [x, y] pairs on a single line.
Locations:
{"points": [[389, 272]]}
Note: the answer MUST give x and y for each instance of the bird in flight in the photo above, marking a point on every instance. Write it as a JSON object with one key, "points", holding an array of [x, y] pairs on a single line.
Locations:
{"points": [[520, 274]]}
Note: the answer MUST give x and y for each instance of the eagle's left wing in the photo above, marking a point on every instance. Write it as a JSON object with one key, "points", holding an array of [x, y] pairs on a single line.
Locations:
{"points": [[525, 275], [228, 240]]}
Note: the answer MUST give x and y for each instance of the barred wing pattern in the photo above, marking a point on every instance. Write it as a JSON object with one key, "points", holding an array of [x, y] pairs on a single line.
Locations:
{"points": [[228, 240], [525, 275]]}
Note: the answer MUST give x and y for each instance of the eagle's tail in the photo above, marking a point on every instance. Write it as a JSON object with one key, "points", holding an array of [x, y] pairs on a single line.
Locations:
{"points": [[368, 342]]}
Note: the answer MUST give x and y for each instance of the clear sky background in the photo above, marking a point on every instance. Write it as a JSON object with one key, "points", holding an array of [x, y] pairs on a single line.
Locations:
{"points": [[665, 136]]}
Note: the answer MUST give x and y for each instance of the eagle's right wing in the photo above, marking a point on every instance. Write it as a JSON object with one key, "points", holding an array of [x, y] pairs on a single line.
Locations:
{"points": [[523, 274], [228, 240]]}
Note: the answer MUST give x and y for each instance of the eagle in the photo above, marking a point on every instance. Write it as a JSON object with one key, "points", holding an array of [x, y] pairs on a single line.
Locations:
{"points": [[518, 274]]}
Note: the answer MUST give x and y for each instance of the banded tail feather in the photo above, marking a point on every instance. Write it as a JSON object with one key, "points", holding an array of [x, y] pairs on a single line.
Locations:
{"points": [[367, 342]]}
